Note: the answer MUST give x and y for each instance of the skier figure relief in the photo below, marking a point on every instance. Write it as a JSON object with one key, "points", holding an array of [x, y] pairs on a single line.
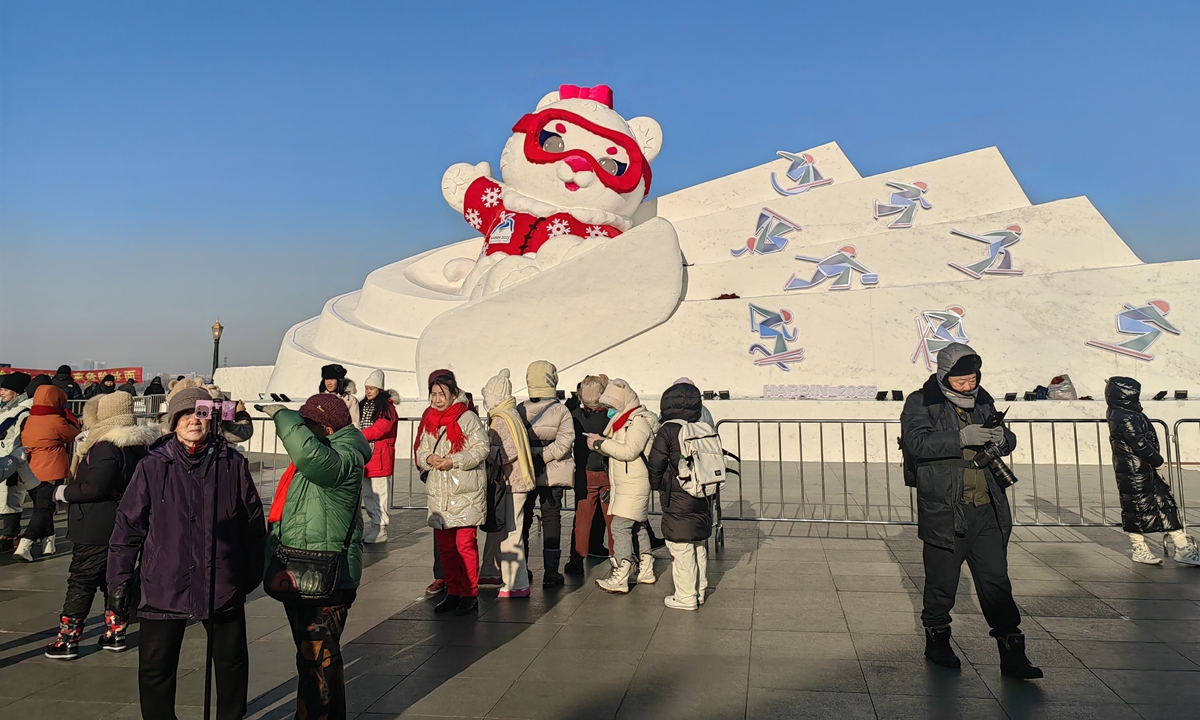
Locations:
{"points": [[571, 176]]}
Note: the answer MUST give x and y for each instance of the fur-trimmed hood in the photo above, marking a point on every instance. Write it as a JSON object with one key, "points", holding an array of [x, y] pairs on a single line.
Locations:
{"points": [[119, 435]]}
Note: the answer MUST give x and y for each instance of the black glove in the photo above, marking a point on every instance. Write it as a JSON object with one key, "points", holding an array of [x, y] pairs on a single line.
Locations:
{"points": [[978, 435]]}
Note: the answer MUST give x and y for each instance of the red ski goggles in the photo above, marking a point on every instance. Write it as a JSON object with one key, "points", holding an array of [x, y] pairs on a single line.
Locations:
{"points": [[624, 180]]}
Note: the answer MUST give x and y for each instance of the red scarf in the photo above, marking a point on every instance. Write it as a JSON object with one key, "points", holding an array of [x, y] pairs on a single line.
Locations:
{"points": [[432, 420], [620, 421], [48, 410], [281, 490]]}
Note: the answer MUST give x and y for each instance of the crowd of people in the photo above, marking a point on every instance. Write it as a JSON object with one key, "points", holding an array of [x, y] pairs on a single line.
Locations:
{"points": [[166, 522]]}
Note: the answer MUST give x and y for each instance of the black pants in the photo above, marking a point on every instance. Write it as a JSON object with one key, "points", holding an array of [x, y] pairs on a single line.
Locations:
{"points": [[159, 642], [551, 500], [983, 547], [89, 565], [438, 573], [41, 522], [321, 678]]}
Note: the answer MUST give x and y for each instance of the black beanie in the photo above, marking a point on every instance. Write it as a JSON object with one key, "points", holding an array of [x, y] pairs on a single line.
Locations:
{"points": [[966, 365], [36, 383], [17, 382], [64, 369]]}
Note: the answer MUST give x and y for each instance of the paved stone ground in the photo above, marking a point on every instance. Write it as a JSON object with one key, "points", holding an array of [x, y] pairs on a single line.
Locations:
{"points": [[803, 620]]}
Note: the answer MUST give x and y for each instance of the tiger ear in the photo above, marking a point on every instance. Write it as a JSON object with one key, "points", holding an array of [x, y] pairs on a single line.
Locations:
{"points": [[648, 134]]}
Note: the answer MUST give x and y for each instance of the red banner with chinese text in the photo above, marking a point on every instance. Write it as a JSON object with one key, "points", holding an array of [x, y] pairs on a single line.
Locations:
{"points": [[120, 374]]}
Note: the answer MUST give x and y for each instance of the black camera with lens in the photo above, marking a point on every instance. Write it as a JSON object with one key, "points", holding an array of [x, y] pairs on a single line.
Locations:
{"points": [[992, 458]]}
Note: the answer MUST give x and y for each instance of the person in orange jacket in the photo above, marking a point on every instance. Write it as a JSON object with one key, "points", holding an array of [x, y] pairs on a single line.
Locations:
{"points": [[46, 435]]}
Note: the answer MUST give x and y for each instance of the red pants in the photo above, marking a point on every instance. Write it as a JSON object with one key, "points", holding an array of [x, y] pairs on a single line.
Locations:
{"points": [[459, 552], [585, 511]]}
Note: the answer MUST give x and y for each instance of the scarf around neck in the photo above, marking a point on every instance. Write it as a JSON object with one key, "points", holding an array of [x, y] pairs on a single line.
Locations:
{"points": [[623, 420], [506, 412], [433, 420]]}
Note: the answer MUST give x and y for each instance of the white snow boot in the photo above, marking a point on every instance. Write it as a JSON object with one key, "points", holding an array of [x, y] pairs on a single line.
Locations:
{"points": [[24, 551], [645, 574], [618, 581]]}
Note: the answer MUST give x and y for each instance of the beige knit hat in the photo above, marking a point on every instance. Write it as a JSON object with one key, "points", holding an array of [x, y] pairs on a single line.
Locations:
{"points": [[498, 389], [114, 409], [542, 379], [591, 389]]}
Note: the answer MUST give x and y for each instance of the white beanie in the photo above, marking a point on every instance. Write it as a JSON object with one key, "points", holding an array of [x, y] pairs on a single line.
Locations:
{"points": [[375, 379], [498, 389]]}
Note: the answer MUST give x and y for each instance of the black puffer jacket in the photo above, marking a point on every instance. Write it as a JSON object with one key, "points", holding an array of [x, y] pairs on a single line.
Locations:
{"points": [[1147, 505], [100, 480], [684, 518], [930, 430]]}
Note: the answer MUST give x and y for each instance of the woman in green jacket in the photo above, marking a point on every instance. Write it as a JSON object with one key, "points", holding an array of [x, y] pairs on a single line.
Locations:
{"points": [[315, 503]]}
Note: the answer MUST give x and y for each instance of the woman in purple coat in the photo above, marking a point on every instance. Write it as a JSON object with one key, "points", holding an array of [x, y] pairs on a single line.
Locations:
{"points": [[165, 519]]}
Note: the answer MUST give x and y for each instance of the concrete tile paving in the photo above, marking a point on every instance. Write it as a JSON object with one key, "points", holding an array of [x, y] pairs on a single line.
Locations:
{"points": [[802, 620]]}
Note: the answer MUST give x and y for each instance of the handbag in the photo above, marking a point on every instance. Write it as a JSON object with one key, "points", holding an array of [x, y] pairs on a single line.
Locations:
{"points": [[309, 577], [496, 519]]}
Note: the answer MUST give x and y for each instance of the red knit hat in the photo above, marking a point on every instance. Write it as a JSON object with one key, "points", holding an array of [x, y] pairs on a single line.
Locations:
{"points": [[327, 410]]}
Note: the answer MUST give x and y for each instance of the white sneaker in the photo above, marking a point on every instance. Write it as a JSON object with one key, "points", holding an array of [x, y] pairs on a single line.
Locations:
{"points": [[645, 574], [674, 604], [1143, 555], [48, 546], [24, 550], [1189, 555]]}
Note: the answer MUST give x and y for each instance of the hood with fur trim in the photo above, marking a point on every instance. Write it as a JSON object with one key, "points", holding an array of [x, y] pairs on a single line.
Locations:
{"points": [[119, 435]]}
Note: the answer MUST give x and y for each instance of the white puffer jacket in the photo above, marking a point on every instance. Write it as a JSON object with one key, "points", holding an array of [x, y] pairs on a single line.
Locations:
{"points": [[457, 497], [555, 428], [626, 449]]}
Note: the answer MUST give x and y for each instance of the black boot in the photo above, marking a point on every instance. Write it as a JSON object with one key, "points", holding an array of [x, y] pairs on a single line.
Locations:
{"points": [[448, 603], [466, 606], [938, 650], [574, 566], [551, 577], [1013, 662]]}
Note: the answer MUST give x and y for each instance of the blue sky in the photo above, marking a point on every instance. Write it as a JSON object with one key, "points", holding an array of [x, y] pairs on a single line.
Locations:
{"points": [[165, 164]]}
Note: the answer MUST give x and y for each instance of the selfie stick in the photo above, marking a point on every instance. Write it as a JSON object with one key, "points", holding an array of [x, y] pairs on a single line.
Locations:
{"points": [[214, 429]]}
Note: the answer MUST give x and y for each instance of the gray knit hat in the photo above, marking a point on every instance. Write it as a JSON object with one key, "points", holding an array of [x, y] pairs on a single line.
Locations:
{"points": [[181, 402]]}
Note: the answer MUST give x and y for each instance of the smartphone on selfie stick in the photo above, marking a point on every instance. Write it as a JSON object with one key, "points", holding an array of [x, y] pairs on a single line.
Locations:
{"points": [[215, 412]]}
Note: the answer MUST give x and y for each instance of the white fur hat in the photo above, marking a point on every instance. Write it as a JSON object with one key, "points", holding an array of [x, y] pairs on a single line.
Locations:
{"points": [[375, 380]]}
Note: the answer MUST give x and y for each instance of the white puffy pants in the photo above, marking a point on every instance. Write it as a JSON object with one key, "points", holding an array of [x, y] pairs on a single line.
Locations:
{"points": [[375, 505], [689, 569], [503, 552]]}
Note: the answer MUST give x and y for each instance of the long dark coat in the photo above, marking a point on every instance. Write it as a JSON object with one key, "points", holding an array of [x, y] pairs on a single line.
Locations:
{"points": [[684, 518], [930, 430], [1147, 505]]}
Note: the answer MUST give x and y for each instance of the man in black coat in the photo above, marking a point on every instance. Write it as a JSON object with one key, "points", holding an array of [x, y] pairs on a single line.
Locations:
{"points": [[686, 520], [962, 511], [63, 381]]}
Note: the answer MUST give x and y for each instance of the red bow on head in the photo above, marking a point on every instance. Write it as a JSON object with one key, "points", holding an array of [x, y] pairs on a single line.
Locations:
{"points": [[601, 93]]}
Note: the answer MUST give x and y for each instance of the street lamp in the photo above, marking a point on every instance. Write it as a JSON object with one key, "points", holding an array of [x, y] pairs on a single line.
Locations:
{"points": [[217, 329]]}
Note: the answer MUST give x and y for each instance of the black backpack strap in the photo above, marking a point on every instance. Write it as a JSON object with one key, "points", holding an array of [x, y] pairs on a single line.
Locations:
{"points": [[354, 519]]}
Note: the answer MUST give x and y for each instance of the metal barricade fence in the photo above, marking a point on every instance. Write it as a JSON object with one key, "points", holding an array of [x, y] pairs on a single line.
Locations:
{"points": [[143, 405], [846, 471], [1186, 435], [851, 471]]}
